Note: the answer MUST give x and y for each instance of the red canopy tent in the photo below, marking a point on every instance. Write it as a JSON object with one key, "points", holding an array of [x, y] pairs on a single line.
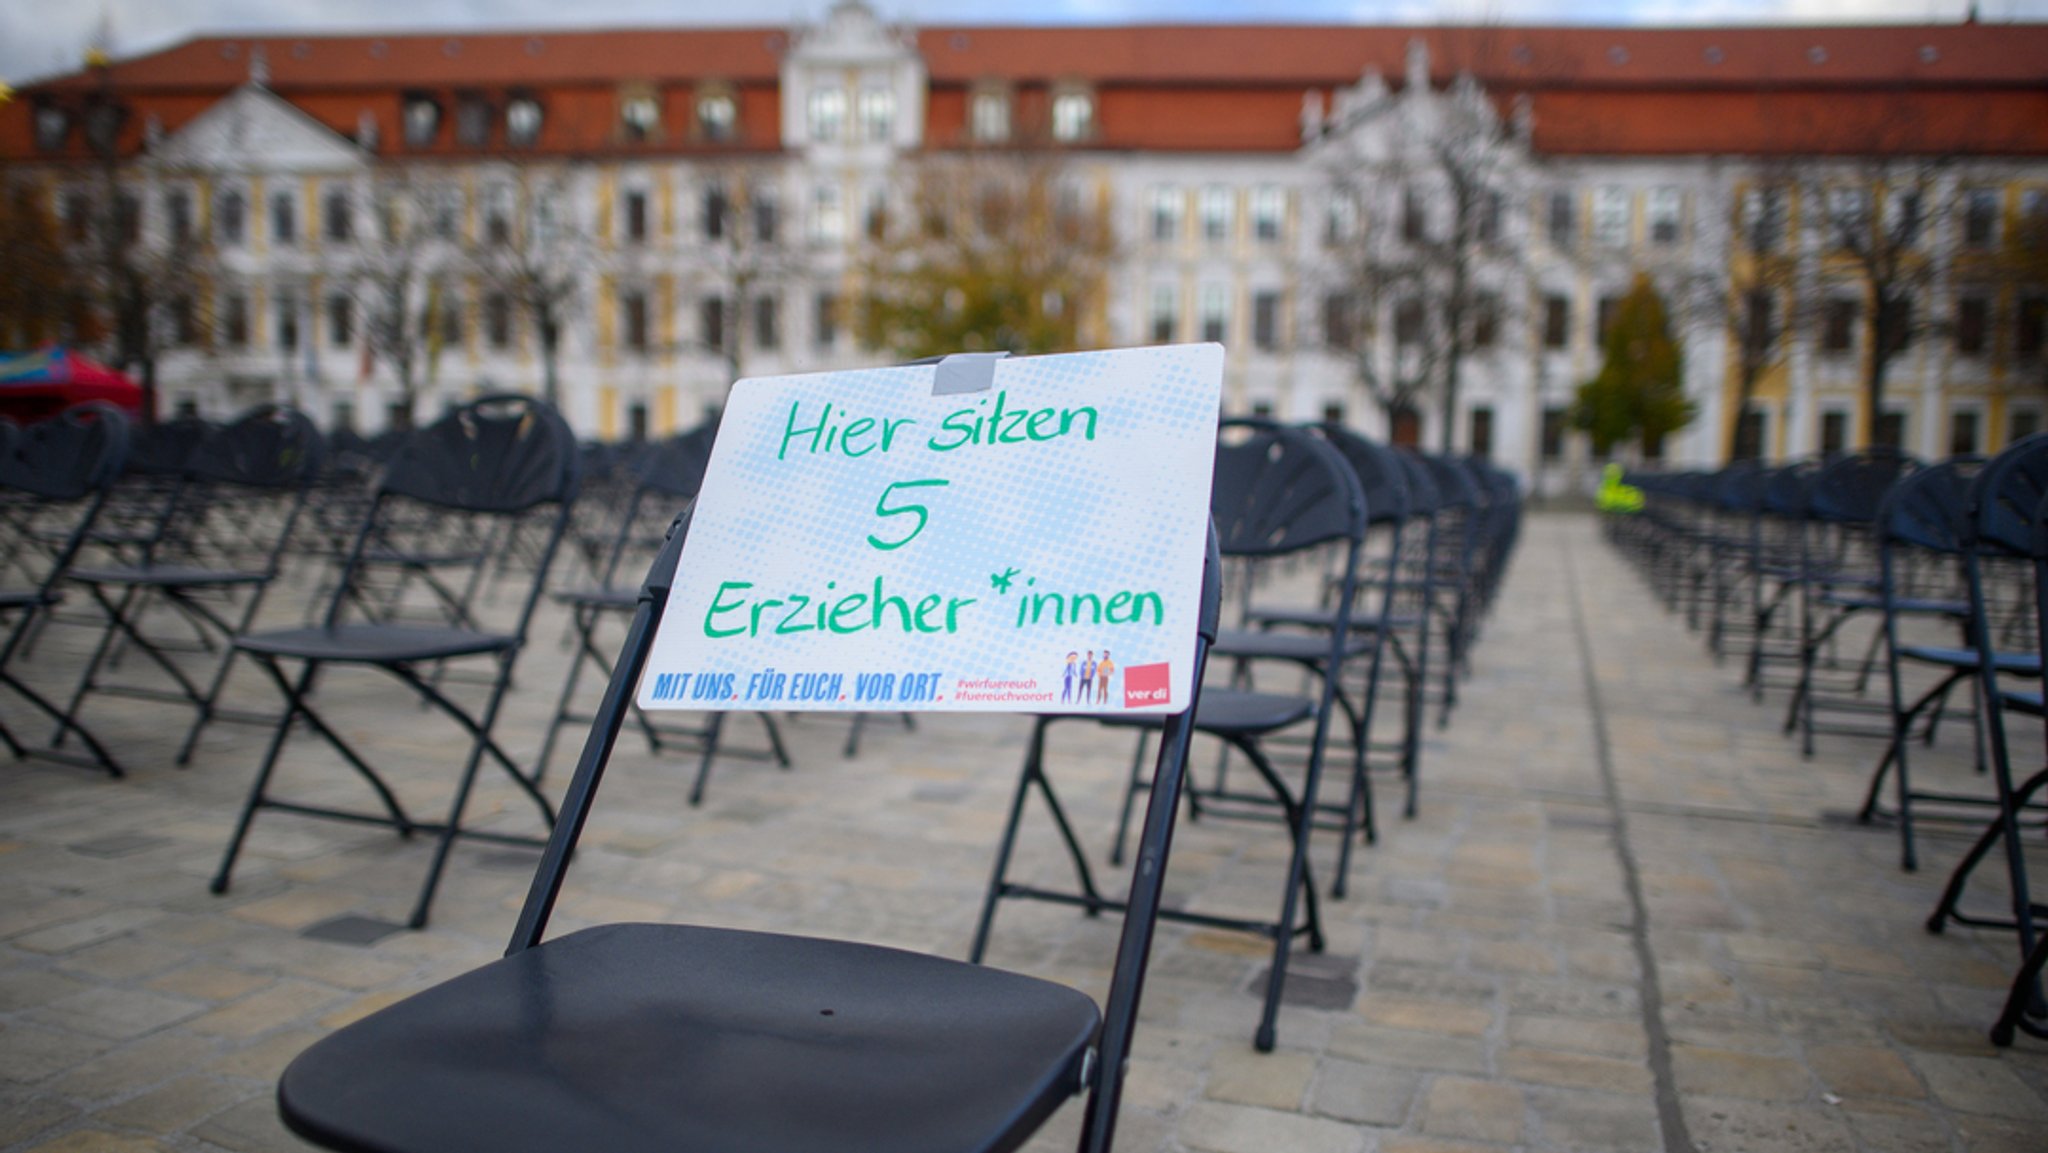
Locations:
{"points": [[41, 384]]}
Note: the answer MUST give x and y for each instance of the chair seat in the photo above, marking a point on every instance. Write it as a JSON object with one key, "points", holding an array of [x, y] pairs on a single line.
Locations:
{"points": [[675, 1039], [374, 644], [26, 598], [2023, 664], [2026, 701], [1325, 618], [168, 576], [600, 597], [1228, 712], [1929, 605]]}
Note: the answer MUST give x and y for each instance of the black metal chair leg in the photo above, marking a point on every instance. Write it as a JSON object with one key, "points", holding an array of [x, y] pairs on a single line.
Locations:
{"points": [[712, 728], [1132, 784], [999, 878]]}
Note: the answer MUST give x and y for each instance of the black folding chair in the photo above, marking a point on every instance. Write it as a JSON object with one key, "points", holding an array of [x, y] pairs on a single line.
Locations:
{"points": [[667, 478], [54, 480], [495, 459], [685, 1039], [1277, 491], [2024, 1010], [228, 523]]}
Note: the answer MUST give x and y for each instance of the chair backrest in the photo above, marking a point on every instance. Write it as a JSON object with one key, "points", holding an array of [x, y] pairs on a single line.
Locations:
{"points": [[1454, 487], [74, 454], [270, 447], [1278, 490], [1788, 489], [669, 473], [1849, 489], [1930, 508], [497, 454], [1382, 478], [166, 447], [2006, 494]]}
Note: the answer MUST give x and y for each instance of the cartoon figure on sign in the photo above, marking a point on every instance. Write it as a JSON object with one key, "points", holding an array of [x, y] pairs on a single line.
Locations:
{"points": [[1088, 678], [1103, 671], [1067, 684]]}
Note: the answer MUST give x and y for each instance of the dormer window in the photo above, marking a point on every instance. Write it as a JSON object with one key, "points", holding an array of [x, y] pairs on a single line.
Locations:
{"points": [[828, 113], [877, 113], [718, 114], [522, 121], [103, 126], [422, 120], [53, 125], [988, 116], [639, 114], [472, 120], [1073, 116]]}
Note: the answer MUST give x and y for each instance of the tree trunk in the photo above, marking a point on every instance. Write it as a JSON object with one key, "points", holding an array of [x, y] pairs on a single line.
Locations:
{"points": [[1745, 392]]}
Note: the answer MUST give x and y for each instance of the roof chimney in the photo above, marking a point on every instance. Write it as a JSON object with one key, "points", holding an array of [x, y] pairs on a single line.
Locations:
{"points": [[1418, 65], [259, 66]]}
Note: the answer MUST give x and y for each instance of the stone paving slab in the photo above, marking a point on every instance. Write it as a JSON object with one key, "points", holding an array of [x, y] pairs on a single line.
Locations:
{"points": [[1623, 920]]}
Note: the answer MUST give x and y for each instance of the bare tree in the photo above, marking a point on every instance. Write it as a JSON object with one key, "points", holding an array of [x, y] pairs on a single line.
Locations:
{"points": [[1420, 183], [744, 250], [535, 254], [399, 273]]}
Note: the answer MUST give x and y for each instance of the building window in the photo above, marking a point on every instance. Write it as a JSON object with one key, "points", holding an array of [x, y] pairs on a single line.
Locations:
{"points": [[339, 216], [715, 209], [1215, 312], [1962, 431], [1485, 322], [1481, 424], [825, 320], [877, 107], [988, 116], [1891, 431], [718, 115], [1764, 209], [1557, 321], [1973, 324], [473, 116], [1665, 208], [633, 320], [498, 320], [1337, 311], [711, 323], [78, 217], [1834, 432], [184, 321], [498, 214], [178, 216], [1759, 323], [827, 113], [1610, 216], [1848, 212], [639, 114], [767, 322], [1486, 214], [2030, 321], [446, 207], [444, 313], [1555, 422], [1166, 213], [341, 320], [127, 217], [1073, 116], [1980, 218], [828, 215], [1341, 224], [1266, 320], [53, 125], [1562, 220], [1268, 205], [421, 120], [287, 322], [522, 121], [636, 422], [1218, 205], [1409, 319], [284, 218], [1165, 313], [634, 214], [874, 213], [1414, 217], [2022, 423], [1404, 427], [765, 215], [1603, 317], [1749, 435], [1907, 212], [1838, 326], [234, 320], [230, 217]]}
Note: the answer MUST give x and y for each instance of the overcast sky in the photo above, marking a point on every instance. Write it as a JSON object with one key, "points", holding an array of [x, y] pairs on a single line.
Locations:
{"points": [[37, 39]]}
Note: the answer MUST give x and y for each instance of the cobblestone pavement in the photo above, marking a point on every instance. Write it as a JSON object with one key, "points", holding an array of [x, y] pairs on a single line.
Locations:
{"points": [[1625, 919]]}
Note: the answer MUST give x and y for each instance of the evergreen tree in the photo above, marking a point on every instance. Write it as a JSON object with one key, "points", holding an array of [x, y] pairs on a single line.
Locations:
{"points": [[1640, 391]]}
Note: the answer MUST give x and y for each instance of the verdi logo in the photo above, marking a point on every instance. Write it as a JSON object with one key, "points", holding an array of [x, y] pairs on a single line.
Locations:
{"points": [[1146, 686]]}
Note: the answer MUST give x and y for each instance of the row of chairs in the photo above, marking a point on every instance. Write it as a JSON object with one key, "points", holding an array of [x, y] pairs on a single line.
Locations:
{"points": [[1943, 569]]}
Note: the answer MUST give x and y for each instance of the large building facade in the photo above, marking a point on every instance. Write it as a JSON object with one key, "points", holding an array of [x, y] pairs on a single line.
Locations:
{"points": [[1417, 230]]}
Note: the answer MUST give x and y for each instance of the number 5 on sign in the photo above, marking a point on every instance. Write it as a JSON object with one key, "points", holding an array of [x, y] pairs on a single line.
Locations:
{"points": [[882, 508]]}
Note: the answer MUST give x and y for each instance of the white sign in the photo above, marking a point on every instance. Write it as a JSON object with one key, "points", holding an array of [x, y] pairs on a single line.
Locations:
{"points": [[863, 544]]}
